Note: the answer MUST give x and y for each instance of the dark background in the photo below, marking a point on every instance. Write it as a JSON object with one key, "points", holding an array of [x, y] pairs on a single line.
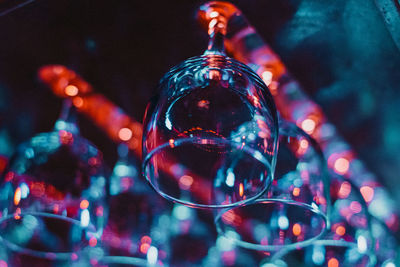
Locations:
{"points": [[342, 52]]}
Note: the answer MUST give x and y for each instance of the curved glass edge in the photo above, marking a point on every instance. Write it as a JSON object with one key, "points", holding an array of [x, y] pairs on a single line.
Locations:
{"points": [[41, 254], [259, 247], [251, 151], [324, 243], [287, 128]]}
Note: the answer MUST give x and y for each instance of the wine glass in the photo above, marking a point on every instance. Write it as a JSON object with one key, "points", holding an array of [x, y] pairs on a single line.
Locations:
{"points": [[191, 233], [210, 136], [133, 228], [193, 241], [295, 211], [349, 240], [54, 185]]}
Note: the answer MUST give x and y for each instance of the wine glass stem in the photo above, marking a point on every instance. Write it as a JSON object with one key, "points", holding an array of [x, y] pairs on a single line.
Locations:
{"points": [[67, 119], [216, 31]]}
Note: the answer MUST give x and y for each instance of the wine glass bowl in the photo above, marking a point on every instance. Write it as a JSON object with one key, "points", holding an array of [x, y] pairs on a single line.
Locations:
{"points": [[210, 136], [295, 210], [269, 225], [52, 196], [133, 228], [58, 173]]}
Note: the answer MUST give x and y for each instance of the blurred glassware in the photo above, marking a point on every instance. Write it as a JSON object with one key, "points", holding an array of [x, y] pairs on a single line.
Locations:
{"points": [[226, 253], [330, 253], [121, 261], [350, 219], [42, 240], [212, 132], [193, 241], [386, 247], [191, 235], [295, 211], [54, 180], [133, 228], [348, 241]]}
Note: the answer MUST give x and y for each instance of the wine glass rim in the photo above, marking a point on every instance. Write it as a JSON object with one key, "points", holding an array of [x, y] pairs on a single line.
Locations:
{"points": [[260, 247], [37, 253], [255, 153]]}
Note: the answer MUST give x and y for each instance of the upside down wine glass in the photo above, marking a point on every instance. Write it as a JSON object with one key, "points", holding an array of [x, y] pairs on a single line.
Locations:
{"points": [[295, 211], [210, 137], [135, 225], [52, 197], [349, 240]]}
